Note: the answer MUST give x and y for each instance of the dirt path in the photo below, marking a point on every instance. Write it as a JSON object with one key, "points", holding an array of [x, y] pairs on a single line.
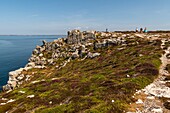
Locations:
{"points": [[150, 101]]}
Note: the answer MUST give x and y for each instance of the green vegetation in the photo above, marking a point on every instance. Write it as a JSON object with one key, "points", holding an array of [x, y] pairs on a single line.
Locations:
{"points": [[91, 85]]}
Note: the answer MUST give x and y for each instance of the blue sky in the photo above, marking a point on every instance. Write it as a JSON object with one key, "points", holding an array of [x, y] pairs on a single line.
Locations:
{"points": [[59, 16]]}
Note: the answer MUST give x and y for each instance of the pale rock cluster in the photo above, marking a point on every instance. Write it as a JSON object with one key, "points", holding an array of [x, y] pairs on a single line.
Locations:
{"points": [[74, 46]]}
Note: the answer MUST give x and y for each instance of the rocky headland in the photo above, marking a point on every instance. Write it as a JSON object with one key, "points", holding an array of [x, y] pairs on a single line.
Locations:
{"points": [[74, 46], [93, 71]]}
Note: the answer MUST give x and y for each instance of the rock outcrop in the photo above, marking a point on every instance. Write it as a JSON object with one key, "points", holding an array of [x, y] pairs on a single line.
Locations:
{"points": [[72, 47], [77, 37], [75, 45]]}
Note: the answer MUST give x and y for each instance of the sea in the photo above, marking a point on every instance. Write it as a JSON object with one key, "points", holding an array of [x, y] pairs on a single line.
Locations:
{"points": [[16, 50]]}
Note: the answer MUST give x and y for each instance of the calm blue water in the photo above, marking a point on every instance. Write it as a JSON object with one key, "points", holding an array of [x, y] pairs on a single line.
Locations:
{"points": [[15, 52]]}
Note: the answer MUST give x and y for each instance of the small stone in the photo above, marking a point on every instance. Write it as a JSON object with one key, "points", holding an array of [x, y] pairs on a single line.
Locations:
{"points": [[138, 92], [33, 82], [9, 91], [151, 97], [139, 101], [92, 55], [30, 96], [11, 100], [27, 77], [128, 76], [113, 101], [120, 48], [22, 92], [43, 80], [140, 55], [41, 55], [54, 78], [2, 103], [20, 77], [4, 99]]}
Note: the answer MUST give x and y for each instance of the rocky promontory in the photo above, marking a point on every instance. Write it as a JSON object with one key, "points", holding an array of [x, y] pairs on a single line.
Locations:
{"points": [[74, 46], [88, 71]]}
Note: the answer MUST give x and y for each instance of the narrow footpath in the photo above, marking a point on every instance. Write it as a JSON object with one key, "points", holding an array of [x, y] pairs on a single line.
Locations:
{"points": [[150, 99]]}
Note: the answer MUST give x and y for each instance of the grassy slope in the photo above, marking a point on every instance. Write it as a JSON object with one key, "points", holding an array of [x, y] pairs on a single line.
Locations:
{"points": [[92, 84]]}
